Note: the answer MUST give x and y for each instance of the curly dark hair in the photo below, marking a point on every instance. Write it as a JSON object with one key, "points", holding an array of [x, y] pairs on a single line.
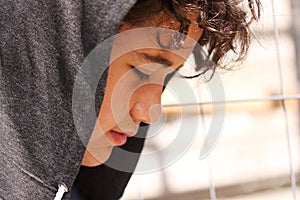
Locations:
{"points": [[225, 24]]}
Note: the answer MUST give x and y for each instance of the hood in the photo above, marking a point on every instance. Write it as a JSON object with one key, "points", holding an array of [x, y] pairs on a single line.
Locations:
{"points": [[43, 44]]}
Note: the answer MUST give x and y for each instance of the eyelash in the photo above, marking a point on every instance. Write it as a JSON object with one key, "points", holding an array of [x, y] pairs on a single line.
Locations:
{"points": [[140, 74]]}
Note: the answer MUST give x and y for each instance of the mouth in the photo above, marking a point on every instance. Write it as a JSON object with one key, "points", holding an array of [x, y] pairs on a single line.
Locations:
{"points": [[118, 138]]}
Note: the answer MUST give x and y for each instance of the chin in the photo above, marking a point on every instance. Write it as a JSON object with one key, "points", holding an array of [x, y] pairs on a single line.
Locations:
{"points": [[91, 159]]}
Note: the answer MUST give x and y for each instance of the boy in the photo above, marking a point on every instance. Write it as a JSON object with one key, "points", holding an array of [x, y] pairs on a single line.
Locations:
{"points": [[43, 46]]}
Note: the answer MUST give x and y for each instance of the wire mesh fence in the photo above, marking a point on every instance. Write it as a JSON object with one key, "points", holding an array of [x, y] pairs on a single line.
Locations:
{"points": [[257, 155]]}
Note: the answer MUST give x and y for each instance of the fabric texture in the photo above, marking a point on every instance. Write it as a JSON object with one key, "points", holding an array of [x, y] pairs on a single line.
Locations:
{"points": [[42, 45]]}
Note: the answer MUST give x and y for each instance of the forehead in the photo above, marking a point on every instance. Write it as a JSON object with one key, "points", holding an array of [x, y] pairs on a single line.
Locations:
{"points": [[147, 39]]}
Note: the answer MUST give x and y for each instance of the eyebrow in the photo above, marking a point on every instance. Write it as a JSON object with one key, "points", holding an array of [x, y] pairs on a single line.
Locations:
{"points": [[155, 59]]}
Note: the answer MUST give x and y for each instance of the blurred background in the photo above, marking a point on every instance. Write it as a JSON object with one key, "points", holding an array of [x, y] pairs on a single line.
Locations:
{"points": [[256, 156]]}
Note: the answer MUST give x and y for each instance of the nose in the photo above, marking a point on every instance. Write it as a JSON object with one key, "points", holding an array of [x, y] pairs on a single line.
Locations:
{"points": [[146, 104]]}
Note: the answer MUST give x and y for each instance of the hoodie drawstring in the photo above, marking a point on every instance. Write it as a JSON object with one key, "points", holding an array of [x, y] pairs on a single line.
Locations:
{"points": [[62, 188]]}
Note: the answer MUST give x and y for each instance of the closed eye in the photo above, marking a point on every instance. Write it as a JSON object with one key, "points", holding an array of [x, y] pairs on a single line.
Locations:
{"points": [[140, 74]]}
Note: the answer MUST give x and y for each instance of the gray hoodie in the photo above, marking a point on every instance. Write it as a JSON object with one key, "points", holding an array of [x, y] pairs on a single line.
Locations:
{"points": [[42, 45]]}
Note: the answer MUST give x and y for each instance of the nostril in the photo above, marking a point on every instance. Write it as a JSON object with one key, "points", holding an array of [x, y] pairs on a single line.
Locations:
{"points": [[155, 113], [142, 124]]}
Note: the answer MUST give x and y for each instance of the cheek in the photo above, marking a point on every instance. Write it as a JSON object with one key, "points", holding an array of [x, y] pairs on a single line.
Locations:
{"points": [[118, 85], [120, 88], [106, 117]]}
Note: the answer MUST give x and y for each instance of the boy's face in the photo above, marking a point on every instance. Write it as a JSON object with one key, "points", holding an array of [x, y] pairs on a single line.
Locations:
{"points": [[134, 85]]}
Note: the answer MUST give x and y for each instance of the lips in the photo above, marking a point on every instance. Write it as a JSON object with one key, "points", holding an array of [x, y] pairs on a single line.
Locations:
{"points": [[118, 138]]}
